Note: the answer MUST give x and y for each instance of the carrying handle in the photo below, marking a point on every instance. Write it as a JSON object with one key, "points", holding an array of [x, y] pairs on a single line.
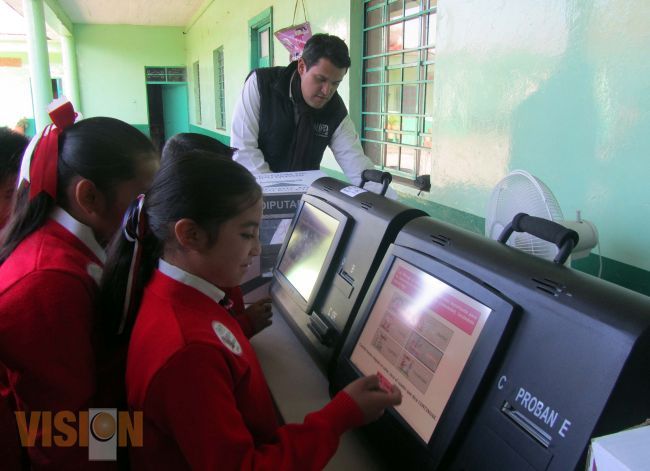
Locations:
{"points": [[377, 176], [565, 239]]}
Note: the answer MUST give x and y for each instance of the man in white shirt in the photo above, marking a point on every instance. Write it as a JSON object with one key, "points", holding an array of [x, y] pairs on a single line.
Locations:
{"points": [[286, 116]]}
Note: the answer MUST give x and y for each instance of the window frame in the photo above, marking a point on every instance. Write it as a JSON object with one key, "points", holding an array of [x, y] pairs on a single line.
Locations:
{"points": [[219, 88], [380, 64]]}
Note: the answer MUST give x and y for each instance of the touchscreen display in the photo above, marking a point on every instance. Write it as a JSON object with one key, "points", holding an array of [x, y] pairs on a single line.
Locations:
{"points": [[419, 335], [307, 249]]}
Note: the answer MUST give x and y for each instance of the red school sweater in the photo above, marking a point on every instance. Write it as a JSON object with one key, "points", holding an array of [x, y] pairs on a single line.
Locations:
{"points": [[47, 291], [205, 401]]}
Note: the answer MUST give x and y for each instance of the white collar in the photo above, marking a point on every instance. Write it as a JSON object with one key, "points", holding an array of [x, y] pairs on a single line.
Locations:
{"points": [[188, 279], [80, 231]]}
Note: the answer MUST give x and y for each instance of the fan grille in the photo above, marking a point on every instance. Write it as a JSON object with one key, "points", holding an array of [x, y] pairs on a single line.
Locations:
{"points": [[520, 192]]}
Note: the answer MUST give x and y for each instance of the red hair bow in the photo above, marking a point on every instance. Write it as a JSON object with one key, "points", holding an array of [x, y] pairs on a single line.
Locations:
{"points": [[44, 162]]}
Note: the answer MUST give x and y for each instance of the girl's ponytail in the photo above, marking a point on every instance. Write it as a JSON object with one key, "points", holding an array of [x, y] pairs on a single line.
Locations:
{"points": [[132, 257]]}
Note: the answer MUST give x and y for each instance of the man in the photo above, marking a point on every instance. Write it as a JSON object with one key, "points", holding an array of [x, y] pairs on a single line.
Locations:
{"points": [[286, 116]]}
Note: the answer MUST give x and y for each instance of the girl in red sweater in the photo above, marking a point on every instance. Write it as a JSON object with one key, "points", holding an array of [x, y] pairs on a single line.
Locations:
{"points": [[81, 177], [190, 367]]}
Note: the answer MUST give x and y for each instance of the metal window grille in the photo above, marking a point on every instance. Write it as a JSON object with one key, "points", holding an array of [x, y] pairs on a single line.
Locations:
{"points": [[165, 74], [397, 85], [219, 93], [197, 92]]}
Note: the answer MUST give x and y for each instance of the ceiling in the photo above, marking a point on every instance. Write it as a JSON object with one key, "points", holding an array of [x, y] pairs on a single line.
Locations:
{"points": [[123, 12], [131, 12]]}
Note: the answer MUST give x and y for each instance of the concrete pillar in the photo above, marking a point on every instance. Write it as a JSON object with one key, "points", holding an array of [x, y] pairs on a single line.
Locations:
{"points": [[39, 63], [71, 74]]}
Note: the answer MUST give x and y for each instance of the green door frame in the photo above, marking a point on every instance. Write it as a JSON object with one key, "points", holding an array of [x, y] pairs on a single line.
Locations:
{"points": [[256, 26]]}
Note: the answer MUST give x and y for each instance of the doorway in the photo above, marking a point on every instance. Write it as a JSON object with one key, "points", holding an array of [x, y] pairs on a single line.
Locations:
{"points": [[168, 111], [261, 34]]}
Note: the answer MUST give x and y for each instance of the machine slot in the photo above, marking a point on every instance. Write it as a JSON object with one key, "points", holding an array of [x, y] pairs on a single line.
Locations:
{"points": [[532, 429]]}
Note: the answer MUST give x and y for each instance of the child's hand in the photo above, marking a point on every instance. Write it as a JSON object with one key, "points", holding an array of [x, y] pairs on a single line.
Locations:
{"points": [[260, 314], [370, 398]]}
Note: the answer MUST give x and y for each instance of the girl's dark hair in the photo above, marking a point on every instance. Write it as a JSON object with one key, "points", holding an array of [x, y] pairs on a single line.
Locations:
{"points": [[200, 186], [12, 146], [106, 151], [184, 142]]}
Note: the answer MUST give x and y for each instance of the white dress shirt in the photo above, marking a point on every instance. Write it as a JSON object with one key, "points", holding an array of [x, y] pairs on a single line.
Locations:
{"points": [[345, 143]]}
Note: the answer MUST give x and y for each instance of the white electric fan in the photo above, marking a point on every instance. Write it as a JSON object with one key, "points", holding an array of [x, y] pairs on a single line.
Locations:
{"points": [[521, 192]]}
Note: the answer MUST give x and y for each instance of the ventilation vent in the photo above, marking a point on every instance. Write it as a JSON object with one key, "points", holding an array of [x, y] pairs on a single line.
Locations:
{"points": [[328, 188], [165, 74], [549, 286], [439, 239], [366, 205]]}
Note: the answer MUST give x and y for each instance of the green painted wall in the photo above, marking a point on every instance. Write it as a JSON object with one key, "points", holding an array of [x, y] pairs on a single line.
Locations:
{"points": [[560, 88], [111, 61]]}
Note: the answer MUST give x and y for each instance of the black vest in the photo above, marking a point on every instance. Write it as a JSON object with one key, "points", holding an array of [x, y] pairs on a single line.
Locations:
{"points": [[277, 123]]}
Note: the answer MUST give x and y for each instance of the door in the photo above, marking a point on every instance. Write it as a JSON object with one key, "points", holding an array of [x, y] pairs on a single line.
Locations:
{"points": [[261, 34], [176, 116]]}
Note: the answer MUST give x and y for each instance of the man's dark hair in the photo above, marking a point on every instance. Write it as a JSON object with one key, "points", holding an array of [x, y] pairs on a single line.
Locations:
{"points": [[329, 47]]}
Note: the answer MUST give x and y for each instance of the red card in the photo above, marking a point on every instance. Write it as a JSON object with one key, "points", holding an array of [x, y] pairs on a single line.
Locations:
{"points": [[384, 384]]}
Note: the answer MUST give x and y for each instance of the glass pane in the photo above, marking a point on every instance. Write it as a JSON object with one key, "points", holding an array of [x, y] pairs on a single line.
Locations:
{"points": [[428, 124], [431, 37], [412, 57], [411, 74], [264, 43], [412, 7], [392, 156], [409, 139], [428, 104], [395, 75], [394, 98], [412, 35], [374, 63], [373, 17], [393, 122], [395, 9], [424, 164], [372, 77], [431, 54], [373, 42], [394, 59], [372, 3], [410, 99], [425, 140], [373, 151], [395, 41], [410, 124], [407, 161], [375, 135], [430, 71], [372, 99], [372, 121]]}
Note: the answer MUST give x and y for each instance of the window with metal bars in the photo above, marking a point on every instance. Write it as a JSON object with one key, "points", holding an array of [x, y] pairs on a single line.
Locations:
{"points": [[219, 94], [165, 74], [197, 92], [397, 85]]}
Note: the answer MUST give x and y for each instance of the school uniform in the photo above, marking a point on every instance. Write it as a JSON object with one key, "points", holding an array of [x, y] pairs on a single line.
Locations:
{"points": [[205, 401], [47, 290]]}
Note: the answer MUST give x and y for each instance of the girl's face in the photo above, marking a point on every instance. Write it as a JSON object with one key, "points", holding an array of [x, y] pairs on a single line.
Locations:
{"points": [[225, 262], [123, 193]]}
